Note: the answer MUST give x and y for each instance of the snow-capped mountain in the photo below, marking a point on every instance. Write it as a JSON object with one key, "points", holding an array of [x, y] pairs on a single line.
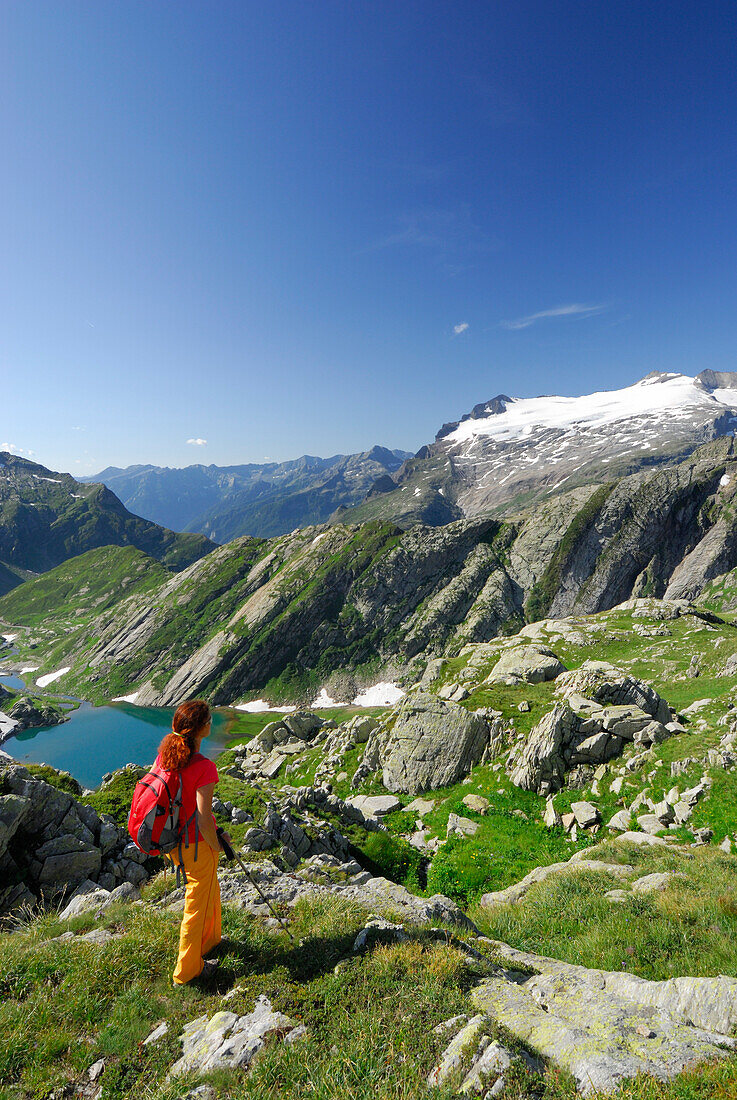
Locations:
{"points": [[509, 452]]}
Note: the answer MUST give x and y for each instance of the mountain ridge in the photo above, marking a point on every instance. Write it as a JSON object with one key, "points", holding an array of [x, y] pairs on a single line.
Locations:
{"points": [[285, 614], [47, 517], [507, 453], [259, 499]]}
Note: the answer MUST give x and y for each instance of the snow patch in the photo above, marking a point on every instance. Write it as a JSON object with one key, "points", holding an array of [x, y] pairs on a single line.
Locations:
{"points": [[9, 637], [724, 480], [54, 480], [318, 538], [324, 701], [384, 694], [29, 668], [51, 677], [7, 724], [261, 706], [126, 698]]}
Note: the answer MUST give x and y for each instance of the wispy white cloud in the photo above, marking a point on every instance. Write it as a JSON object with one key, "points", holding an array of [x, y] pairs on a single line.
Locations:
{"points": [[574, 309], [13, 450], [448, 233], [197, 442], [458, 329]]}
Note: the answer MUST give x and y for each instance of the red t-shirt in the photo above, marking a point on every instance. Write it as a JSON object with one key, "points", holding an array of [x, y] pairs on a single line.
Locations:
{"points": [[198, 773]]}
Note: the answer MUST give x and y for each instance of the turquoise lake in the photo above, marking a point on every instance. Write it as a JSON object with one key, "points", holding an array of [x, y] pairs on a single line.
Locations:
{"points": [[97, 740]]}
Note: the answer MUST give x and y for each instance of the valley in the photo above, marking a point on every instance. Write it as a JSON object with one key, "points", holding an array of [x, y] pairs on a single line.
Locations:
{"points": [[484, 763]]}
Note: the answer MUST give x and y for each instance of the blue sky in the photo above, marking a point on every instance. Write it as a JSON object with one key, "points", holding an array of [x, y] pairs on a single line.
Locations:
{"points": [[266, 224]]}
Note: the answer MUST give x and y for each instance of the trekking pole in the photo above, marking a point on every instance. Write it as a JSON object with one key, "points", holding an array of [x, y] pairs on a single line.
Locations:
{"points": [[230, 854]]}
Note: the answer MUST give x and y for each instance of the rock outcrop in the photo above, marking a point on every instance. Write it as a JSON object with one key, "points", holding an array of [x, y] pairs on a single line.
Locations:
{"points": [[30, 713], [605, 709], [605, 1028], [425, 743], [528, 664], [50, 844]]}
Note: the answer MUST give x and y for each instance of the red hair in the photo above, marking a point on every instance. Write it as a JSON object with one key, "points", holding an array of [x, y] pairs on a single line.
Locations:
{"points": [[178, 747]]}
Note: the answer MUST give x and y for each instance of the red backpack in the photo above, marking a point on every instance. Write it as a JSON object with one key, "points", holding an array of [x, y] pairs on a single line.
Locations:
{"points": [[156, 820]]}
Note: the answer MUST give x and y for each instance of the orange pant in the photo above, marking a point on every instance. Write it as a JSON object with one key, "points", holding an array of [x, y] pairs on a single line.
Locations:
{"points": [[200, 930]]}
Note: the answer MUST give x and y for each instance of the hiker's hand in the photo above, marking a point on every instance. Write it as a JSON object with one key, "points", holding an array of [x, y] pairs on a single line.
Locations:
{"points": [[223, 836]]}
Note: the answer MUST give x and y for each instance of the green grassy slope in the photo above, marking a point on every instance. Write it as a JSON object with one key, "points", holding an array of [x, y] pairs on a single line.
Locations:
{"points": [[47, 517], [83, 588]]}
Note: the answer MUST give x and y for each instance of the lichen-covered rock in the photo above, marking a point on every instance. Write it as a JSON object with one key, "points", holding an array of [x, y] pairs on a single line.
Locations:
{"points": [[425, 743], [463, 1047], [530, 664], [610, 686], [227, 1041], [605, 1028]]}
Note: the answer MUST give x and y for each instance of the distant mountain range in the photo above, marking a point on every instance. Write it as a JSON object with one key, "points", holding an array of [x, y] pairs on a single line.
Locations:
{"points": [[279, 616], [509, 453], [48, 517], [225, 502]]}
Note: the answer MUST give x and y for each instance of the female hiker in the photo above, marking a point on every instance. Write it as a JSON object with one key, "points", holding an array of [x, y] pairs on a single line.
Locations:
{"points": [[180, 751]]}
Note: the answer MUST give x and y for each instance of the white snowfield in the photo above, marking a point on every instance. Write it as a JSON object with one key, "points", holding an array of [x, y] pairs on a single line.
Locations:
{"points": [[10, 637], [260, 706], [324, 702], [51, 677], [675, 395], [27, 669], [384, 694], [125, 698]]}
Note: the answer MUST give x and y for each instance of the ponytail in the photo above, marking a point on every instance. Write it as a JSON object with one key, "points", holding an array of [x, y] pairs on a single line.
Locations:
{"points": [[178, 747]]}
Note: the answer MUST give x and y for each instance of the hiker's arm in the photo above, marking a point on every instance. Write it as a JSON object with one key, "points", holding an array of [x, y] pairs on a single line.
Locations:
{"points": [[205, 821]]}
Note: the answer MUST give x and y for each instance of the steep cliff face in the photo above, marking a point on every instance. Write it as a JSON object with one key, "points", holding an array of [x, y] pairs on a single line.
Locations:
{"points": [[320, 599]]}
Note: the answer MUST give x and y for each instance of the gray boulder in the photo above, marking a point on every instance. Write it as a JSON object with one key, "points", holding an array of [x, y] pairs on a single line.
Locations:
{"points": [[537, 763], [229, 1041], [621, 821], [14, 809], [585, 814], [608, 685], [461, 826], [377, 805], [425, 743], [87, 897], [529, 664]]}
